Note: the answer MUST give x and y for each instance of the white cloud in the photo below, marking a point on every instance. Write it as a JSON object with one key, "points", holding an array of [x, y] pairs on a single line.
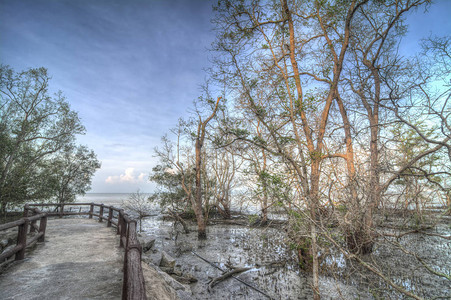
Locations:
{"points": [[129, 176], [141, 177]]}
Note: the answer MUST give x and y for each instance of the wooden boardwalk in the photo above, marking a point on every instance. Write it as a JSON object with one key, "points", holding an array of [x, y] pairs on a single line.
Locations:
{"points": [[80, 259]]}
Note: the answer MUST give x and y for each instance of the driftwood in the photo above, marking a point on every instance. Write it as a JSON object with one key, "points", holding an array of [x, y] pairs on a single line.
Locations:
{"points": [[234, 277], [226, 275], [276, 263]]}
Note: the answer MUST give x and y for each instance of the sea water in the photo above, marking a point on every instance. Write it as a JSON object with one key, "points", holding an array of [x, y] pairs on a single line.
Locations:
{"points": [[103, 198]]}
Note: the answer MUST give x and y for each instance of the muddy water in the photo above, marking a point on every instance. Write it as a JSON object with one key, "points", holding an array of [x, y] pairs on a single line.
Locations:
{"points": [[261, 249], [275, 273]]}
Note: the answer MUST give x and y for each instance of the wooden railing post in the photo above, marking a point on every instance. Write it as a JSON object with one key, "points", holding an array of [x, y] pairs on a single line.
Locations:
{"points": [[125, 279], [119, 223], [133, 277], [42, 227], [61, 210], [25, 210], [123, 227], [91, 210], [22, 239], [101, 213], [110, 216]]}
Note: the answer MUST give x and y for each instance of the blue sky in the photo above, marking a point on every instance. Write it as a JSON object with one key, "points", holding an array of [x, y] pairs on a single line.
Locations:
{"points": [[130, 68]]}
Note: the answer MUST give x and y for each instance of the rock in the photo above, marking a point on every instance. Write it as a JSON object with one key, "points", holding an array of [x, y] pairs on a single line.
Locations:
{"points": [[152, 257], [146, 259], [146, 242], [156, 286], [185, 278], [3, 243], [167, 261], [7, 249], [183, 291], [168, 270], [186, 247], [9, 235]]}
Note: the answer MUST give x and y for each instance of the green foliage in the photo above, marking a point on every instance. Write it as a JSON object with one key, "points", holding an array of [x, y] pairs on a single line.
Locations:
{"points": [[342, 208], [36, 132], [274, 185], [259, 140], [419, 177], [252, 219], [170, 192], [285, 140], [239, 132], [260, 111], [315, 155], [71, 172]]}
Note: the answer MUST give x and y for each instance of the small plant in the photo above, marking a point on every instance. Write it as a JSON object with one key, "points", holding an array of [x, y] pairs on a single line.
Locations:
{"points": [[139, 204], [341, 208], [252, 219]]}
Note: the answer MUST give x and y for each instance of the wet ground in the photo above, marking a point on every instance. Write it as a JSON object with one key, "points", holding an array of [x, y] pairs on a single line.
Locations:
{"points": [[274, 271]]}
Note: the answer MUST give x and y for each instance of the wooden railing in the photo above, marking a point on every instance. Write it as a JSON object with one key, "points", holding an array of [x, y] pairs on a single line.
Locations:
{"points": [[133, 286], [25, 223]]}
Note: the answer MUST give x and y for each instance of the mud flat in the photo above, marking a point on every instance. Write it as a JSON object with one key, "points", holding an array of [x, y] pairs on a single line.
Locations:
{"points": [[274, 271]]}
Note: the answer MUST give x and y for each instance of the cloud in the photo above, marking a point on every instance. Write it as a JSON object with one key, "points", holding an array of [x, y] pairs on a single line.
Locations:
{"points": [[129, 176]]}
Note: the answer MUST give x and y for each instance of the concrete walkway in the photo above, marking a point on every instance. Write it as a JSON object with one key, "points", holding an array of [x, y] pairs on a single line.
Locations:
{"points": [[80, 259]]}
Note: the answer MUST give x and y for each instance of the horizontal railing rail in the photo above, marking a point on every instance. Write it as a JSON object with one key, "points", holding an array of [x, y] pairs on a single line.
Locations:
{"points": [[133, 286], [24, 224]]}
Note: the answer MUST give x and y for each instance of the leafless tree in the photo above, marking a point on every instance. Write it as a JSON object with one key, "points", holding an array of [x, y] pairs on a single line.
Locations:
{"points": [[139, 204]]}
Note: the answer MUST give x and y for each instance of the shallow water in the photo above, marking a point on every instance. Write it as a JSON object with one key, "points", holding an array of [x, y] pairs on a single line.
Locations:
{"points": [[275, 272], [239, 246]]}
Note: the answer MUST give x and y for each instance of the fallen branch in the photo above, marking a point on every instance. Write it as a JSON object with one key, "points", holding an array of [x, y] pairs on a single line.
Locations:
{"points": [[234, 277], [276, 263], [226, 275]]}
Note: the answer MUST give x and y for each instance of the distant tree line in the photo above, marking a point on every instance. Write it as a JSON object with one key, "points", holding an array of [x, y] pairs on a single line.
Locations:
{"points": [[322, 117], [39, 157]]}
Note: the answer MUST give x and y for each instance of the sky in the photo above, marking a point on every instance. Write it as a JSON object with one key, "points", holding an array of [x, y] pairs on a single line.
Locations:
{"points": [[131, 68]]}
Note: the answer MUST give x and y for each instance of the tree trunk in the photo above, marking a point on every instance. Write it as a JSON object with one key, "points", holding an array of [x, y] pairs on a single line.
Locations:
{"points": [[202, 234], [448, 202], [197, 202], [224, 210], [265, 192], [314, 215], [3, 209]]}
